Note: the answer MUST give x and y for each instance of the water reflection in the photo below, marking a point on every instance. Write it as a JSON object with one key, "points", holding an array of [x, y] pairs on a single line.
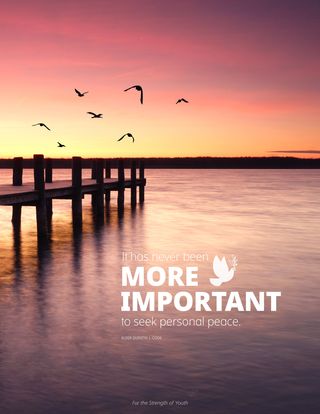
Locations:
{"points": [[60, 333]]}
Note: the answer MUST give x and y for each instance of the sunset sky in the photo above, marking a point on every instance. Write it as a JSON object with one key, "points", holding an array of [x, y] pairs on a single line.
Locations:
{"points": [[250, 69]]}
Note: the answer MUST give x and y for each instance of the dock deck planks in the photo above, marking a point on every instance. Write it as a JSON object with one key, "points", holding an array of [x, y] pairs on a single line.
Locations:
{"points": [[10, 194]]}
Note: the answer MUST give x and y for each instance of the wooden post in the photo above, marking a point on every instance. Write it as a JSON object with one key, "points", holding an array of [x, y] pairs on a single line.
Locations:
{"points": [[93, 177], [48, 179], [133, 183], [108, 175], [99, 199], [93, 168], [121, 188], [141, 178], [39, 186], [17, 173], [77, 193], [48, 170]]}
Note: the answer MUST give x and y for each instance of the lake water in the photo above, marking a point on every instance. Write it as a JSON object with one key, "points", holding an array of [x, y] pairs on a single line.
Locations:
{"points": [[62, 346]]}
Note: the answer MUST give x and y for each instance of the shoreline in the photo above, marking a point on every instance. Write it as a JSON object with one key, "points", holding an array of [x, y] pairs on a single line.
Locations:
{"points": [[191, 163]]}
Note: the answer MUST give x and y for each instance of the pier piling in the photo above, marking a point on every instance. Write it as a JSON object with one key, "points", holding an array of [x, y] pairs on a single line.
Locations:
{"points": [[142, 182], [48, 163], [76, 192], [48, 179], [93, 177], [108, 175], [17, 173], [39, 186], [121, 185], [99, 198], [133, 183]]}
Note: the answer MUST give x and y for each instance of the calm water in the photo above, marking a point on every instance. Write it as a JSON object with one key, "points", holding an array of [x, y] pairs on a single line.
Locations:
{"points": [[60, 321]]}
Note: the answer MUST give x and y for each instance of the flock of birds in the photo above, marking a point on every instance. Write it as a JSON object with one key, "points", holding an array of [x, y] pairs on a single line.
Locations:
{"points": [[94, 115]]}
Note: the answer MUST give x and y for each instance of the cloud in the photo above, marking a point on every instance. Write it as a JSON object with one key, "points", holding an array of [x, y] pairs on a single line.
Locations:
{"points": [[297, 151]]}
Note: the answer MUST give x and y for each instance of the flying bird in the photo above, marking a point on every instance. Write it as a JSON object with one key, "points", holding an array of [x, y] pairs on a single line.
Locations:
{"points": [[42, 125], [182, 100], [95, 115], [60, 145], [139, 89], [127, 135], [80, 93]]}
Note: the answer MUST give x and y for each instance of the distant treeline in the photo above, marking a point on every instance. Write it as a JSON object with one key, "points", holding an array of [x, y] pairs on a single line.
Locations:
{"points": [[198, 162]]}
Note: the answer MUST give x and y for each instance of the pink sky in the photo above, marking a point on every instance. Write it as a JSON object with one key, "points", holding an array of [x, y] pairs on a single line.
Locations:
{"points": [[250, 69]]}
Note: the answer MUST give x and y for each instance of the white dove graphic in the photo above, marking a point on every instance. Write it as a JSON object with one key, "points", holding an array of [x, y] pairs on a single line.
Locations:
{"points": [[222, 271]]}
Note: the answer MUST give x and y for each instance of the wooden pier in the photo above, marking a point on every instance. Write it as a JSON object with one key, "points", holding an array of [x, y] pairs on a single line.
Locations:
{"points": [[44, 189]]}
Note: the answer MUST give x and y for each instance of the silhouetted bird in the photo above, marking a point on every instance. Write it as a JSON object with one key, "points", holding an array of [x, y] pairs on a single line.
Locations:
{"points": [[182, 100], [60, 145], [127, 135], [95, 115], [42, 125], [80, 93], [138, 88]]}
